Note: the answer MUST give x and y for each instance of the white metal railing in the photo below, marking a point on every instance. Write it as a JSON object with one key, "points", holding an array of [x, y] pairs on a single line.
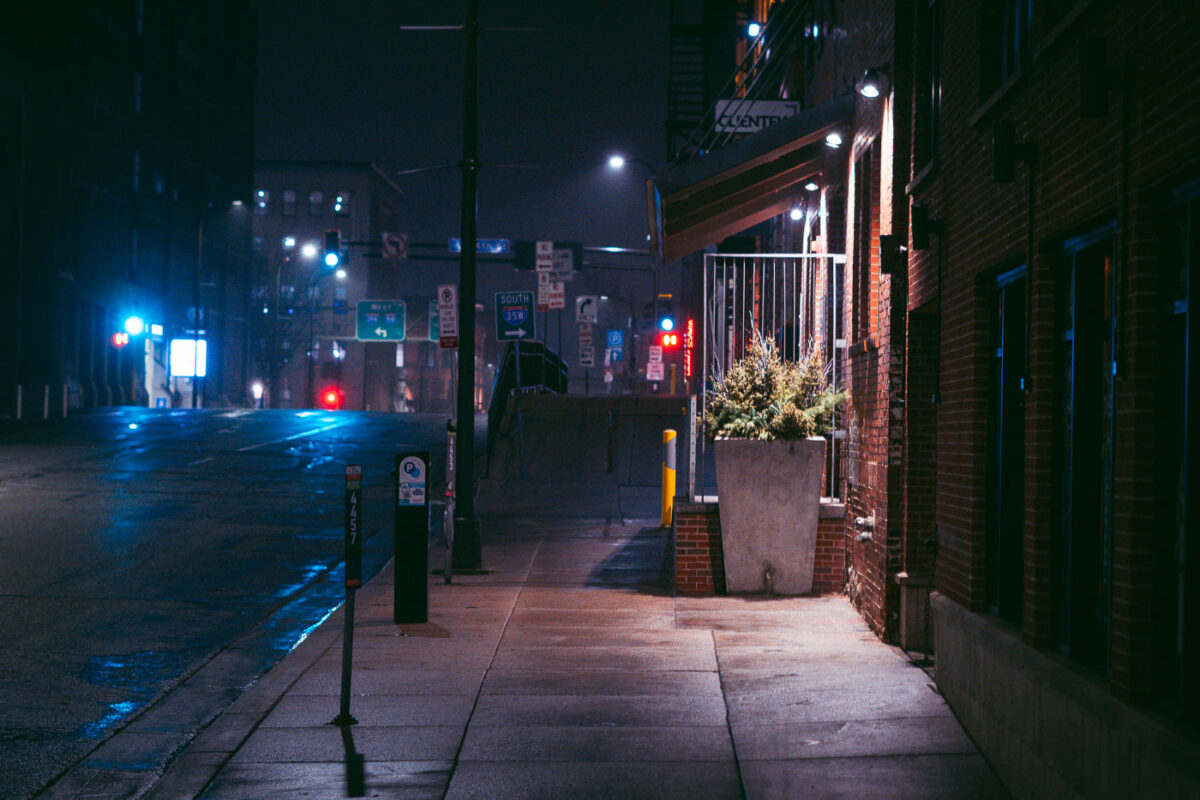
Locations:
{"points": [[775, 296]]}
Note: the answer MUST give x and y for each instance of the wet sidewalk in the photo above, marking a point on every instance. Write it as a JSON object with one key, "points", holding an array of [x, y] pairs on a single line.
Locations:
{"points": [[569, 671]]}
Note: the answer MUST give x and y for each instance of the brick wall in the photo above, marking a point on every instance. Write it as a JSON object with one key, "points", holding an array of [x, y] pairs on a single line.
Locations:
{"points": [[699, 565], [700, 568]]}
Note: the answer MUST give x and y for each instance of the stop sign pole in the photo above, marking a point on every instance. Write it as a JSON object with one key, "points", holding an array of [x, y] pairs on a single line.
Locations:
{"points": [[467, 553]]}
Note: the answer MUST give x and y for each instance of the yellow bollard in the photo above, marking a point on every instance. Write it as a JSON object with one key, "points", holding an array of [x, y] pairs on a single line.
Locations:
{"points": [[668, 477]]}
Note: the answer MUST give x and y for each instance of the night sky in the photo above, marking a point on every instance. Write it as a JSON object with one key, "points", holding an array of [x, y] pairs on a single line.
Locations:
{"points": [[343, 82]]}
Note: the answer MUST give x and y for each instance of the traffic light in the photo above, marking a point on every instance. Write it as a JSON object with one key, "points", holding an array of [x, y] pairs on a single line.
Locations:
{"points": [[666, 322], [333, 248], [669, 340], [332, 398], [120, 339]]}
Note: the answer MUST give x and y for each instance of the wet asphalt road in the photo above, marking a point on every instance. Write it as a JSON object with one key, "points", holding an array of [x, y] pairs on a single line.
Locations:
{"points": [[136, 544]]}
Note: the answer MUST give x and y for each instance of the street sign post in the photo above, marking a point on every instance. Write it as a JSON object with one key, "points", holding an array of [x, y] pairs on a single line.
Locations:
{"points": [[585, 308], [380, 321], [394, 245], [447, 309], [514, 316], [490, 246]]}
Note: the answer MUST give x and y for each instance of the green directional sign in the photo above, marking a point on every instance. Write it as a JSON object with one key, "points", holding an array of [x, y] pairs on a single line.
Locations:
{"points": [[380, 321], [514, 315], [435, 323]]}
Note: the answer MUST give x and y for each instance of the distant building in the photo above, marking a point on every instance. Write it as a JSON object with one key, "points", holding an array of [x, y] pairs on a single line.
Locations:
{"points": [[124, 141], [305, 323]]}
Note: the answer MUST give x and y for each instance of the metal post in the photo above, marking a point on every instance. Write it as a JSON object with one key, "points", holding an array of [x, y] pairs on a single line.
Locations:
{"points": [[668, 477], [46, 401], [353, 580], [196, 306], [692, 448], [467, 550], [520, 420]]}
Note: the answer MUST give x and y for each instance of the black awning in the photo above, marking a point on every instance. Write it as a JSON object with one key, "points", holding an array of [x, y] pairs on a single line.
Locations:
{"points": [[701, 202]]}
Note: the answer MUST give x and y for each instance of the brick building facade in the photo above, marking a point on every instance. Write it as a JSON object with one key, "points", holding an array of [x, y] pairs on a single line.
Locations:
{"points": [[1020, 230]]}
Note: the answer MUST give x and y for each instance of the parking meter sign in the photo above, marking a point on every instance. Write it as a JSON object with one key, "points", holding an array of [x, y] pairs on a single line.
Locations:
{"points": [[353, 526]]}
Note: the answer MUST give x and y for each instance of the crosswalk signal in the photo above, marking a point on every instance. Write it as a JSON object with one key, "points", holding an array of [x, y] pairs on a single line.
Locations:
{"points": [[333, 248], [669, 340]]}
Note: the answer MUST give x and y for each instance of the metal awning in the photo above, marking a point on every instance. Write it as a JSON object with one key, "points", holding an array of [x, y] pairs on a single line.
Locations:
{"points": [[701, 202]]}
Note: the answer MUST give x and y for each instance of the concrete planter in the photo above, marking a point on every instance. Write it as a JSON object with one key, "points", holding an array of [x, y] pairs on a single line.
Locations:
{"points": [[769, 495]]}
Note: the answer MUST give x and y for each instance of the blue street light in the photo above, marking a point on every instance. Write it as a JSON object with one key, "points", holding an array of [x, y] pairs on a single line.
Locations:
{"points": [[134, 325]]}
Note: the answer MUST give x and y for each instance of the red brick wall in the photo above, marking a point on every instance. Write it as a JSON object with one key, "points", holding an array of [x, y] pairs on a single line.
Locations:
{"points": [[699, 565], [700, 569]]}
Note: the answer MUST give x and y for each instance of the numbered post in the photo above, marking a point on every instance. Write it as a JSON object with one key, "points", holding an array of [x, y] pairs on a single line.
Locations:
{"points": [[411, 538]]}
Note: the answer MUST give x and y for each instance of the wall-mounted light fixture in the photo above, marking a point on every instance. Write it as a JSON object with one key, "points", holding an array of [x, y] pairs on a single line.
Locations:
{"points": [[893, 255], [753, 30], [1007, 151], [811, 186], [797, 213], [875, 81], [834, 140], [923, 226]]}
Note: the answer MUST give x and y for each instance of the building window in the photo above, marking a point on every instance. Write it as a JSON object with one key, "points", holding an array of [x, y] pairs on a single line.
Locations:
{"points": [[316, 203], [289, 202], [929, 86], [1004, 573], [262, 201], [866, 242], [1005, 41], [341, 203], [1176, 555], [1083, 426]]}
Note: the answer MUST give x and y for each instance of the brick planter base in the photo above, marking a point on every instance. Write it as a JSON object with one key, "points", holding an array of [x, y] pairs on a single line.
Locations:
{"points": [[700, 569]]}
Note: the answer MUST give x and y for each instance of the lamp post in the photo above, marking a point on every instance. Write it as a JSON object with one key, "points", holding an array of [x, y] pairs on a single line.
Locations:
{"points": [[617, 162]]}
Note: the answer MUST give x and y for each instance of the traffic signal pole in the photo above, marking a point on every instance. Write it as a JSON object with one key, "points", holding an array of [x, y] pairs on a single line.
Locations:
{"points": [[467, 553]]}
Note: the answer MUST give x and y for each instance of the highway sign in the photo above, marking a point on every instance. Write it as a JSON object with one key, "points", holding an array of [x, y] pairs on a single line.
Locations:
{"points": [[514, 315], [585, 308], [380, 321], [447, 310], [489, 246]]}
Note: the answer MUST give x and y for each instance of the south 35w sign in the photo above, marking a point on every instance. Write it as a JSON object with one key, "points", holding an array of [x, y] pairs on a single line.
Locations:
{"points": [[514, 315]]}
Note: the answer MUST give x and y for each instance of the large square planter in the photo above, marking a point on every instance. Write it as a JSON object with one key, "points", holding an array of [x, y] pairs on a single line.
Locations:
{"points": [[769, 494]]}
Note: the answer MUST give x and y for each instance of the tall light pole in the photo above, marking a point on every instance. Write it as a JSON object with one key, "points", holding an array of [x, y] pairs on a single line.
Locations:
{"points": [[467, 551]]}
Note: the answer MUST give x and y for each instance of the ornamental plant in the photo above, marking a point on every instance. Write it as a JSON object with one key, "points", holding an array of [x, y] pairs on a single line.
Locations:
{"points": [[764, 397]]}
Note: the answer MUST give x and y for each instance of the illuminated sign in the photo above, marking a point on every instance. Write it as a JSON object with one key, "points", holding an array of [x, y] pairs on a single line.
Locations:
{"points": [[689, 347]]}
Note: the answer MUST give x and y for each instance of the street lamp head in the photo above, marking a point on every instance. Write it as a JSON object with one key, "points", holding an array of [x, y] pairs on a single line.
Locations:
{"points": [[309, 250], [616, 162], [341, 274]]}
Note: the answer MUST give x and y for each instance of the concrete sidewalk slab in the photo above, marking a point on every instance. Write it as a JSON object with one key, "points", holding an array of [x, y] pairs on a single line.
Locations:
{"points": [[568, 671]]}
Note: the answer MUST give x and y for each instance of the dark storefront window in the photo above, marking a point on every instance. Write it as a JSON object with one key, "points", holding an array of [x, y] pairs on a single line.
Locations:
{"points": [[1177, 566], [1084, 448], [1006, 448], [929, 60]]}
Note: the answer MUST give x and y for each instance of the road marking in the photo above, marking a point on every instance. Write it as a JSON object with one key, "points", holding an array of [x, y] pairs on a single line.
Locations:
{"points": [[200, 461], [300, 435]]}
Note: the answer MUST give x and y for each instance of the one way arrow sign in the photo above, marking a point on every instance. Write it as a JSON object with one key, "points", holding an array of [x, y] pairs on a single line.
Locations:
{"points": [[585, 308]]}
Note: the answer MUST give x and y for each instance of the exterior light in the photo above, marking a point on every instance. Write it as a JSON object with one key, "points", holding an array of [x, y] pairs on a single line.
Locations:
{"points": [[796, 213], [256, 390], [341, 274], [616, 162], [289, 241], [237, 204], [753, 30], [812, 186], [873, 82], [135, 325], [309, 250], [834, 140], [156, 330]]}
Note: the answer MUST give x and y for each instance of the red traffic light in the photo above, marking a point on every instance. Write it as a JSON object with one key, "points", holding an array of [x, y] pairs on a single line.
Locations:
{"points": [[332, 398], [669, 340], [120, 339]]}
